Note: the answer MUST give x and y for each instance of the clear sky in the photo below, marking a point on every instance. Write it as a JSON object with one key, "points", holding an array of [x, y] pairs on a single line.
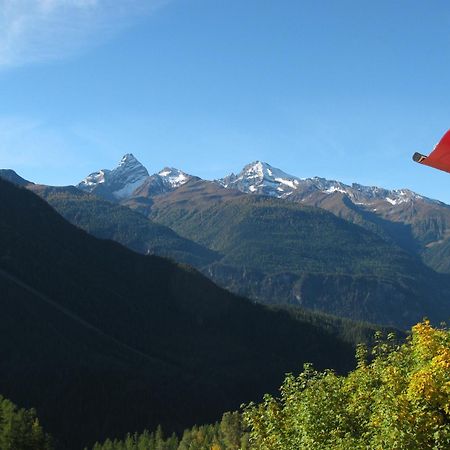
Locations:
{"points": [[344, 89]]}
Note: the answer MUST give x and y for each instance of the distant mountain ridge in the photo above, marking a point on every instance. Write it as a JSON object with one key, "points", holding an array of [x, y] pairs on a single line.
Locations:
{"points": [[270, 240], [261, 178], [131, 179], [414, 222]]}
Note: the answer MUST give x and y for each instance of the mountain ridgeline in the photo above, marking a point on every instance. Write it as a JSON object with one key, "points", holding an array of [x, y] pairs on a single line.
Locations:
{"points": [[416, 223], [267, 235], [278, 251], [102, 340]]}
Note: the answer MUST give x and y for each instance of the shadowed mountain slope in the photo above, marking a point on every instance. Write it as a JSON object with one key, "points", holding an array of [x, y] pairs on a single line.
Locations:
{"points": [[273, 250], [102, 340], [11, 176], [107, 220]]}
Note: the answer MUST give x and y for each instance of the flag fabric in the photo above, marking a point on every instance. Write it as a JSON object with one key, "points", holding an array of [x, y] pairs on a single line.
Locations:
{"points": [[439, 158]]}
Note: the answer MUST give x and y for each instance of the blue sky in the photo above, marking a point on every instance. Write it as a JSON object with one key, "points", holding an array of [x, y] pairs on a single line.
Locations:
{"points": [[345, 89]]}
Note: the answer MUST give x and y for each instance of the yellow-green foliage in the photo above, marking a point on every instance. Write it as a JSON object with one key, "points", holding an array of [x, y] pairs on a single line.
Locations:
{"points": [[397, 398]]}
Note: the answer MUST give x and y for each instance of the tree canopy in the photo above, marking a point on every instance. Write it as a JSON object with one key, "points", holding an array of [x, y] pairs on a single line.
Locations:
{"points": [[397, 397], [20, 428]]}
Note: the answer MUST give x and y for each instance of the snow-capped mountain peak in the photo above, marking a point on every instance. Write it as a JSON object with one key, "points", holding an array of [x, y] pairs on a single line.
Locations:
{"points": [[131, 179], [174, 177], [130, 166], [93, 179], [261, 178], [259, 170], [128, 159], [118, 183]]}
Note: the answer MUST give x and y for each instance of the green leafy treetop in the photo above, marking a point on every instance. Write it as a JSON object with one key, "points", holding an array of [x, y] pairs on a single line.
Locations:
{"points": [[399, 398], [20, 429]]}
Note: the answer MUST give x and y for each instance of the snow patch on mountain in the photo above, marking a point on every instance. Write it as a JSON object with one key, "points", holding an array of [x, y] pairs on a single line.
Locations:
{"points": [[332, 189], [128, 189], [94, 178]]}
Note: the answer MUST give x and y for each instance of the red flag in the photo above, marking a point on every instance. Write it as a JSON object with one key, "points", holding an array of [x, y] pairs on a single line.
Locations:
{"points": [[439, 158]]}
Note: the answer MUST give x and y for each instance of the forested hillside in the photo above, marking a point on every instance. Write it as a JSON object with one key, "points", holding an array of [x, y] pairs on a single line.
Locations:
{"points": [[102, 340], [278, 251], [418, 224]]}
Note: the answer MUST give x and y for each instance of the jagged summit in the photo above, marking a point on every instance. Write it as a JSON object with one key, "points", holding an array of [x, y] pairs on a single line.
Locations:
{"points": [[118, 183], [261, 178], [259, 170], [130, 178], [128, 159], [174, 177]]}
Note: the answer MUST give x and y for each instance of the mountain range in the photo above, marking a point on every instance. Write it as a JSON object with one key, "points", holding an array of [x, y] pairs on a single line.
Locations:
{"points": [[131, 179], [365, 253], [336, 275], [416, 223], [102, 340]]}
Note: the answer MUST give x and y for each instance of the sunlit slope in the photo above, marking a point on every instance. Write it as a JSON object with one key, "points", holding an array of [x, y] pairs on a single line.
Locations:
{"points": [[279, 251]]}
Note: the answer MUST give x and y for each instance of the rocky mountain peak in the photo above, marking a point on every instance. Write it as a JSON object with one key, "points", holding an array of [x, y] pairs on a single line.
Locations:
{"points": [[128, 159], [130, 164], [130, 178], [174, 177], [261, 178], [118, 183]]}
